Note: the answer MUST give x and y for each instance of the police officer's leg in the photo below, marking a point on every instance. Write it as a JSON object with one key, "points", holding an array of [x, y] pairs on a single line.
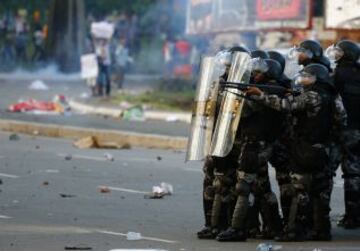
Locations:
{"points": [[299, 209], [351, 174], [280, 161], [321, 188], [208, 197], [269, 207], [223, 182]]}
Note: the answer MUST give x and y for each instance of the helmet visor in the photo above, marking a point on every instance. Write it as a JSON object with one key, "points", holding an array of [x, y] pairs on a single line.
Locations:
{"points": [[334, 53], [259, 65], [304, 79], [296, 52], [223, 58]]}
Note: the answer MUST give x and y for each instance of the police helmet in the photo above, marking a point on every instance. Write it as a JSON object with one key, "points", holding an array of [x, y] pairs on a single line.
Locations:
{"points": [[317, 70], [274, 69], [277, 56], [259, 54], [351, 51], [313, 46]]}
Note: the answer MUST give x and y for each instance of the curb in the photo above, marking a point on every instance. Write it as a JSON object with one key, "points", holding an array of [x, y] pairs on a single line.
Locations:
{"points": [[120, 137], [117, 113], [88, 109]]}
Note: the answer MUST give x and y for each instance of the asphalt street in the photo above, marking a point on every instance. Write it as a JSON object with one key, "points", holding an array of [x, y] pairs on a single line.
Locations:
{"points": [[50, 201], [16, 87]]}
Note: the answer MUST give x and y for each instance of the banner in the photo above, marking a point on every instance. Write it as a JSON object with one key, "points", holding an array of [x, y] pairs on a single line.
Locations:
{"points": [[210, 16], [102, 30], [283, 14], [89, 66], [342, 14]]}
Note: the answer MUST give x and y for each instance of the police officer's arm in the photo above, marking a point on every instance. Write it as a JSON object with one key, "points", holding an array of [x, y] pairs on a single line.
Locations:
{"points": [[307, 100]]}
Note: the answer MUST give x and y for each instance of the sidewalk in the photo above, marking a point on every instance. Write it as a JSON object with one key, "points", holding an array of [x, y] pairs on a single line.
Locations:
{"points": [[154, 130]]}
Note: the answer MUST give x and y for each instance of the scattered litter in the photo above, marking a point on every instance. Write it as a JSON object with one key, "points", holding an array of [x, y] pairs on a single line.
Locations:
{"points": [[268, 247], [84, 95], [77, 248], [158, 192], [36, 132], [135, 113], [132, 236], [94, 142], [104, 189], [172, 118], [62, 195], [59, 105], [125, 105], [38, 85], [14, 137], [159, 158], [15, 201], [45, 183], [1, 182], [68, 157], [109, 157], [37, 147]]}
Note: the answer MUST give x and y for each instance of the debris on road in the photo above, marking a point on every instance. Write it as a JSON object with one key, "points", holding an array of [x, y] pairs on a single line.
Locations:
{"points": [[1, 182], [62, 195], [77, 248], [159, 158], [268, 247], [14, 137], [45, 183], [58, 105], [94, 142], [135, 113], [109, 157], [133, 236], [68, 157], [158, 192], [37, 147], [104, 189], [38, 85]]}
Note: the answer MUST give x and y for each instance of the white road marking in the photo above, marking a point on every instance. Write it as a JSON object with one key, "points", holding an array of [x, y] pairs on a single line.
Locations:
{"points": [[5, 217], [137, 250], [76, 156], [120, 189], [8, 175], [142, 237]]}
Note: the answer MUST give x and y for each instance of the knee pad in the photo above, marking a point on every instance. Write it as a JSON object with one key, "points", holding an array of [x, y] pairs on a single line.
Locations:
{"points": [[209, 193], [242, 188]]}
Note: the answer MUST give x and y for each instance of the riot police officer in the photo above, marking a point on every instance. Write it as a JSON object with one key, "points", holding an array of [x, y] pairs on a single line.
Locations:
{"points": [[345, 54], [219, 177], [256, 148], [310, 52], [311, 176]]}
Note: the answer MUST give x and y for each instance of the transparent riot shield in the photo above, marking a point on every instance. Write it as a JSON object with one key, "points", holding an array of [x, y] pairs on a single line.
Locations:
{"points": [[231, 106], [203, 114]]}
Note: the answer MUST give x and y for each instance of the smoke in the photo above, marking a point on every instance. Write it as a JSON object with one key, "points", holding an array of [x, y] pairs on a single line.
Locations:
{"points": [[51, 72]]}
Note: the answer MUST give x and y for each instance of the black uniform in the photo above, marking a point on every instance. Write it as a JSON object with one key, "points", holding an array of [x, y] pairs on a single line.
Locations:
{"points": [[309, 163], [347, 81]]}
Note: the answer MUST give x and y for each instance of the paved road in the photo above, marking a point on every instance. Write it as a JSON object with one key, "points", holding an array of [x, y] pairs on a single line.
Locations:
{"points": [[14, 88], [34, 216]]}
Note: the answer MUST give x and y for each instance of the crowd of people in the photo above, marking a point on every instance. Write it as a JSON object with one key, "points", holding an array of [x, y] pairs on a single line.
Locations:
{"points": [[22, 41], [305, 127]]}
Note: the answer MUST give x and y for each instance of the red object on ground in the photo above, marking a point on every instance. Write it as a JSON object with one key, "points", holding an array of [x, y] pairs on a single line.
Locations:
{"points": [[32, 105]]}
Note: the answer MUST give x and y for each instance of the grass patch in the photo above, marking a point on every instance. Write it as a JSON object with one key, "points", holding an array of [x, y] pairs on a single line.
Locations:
{"points": [[159, 100]]}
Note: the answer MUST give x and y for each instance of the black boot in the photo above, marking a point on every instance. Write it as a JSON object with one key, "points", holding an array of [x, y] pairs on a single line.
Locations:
{"points": [[231, 234], [207, 233]]}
